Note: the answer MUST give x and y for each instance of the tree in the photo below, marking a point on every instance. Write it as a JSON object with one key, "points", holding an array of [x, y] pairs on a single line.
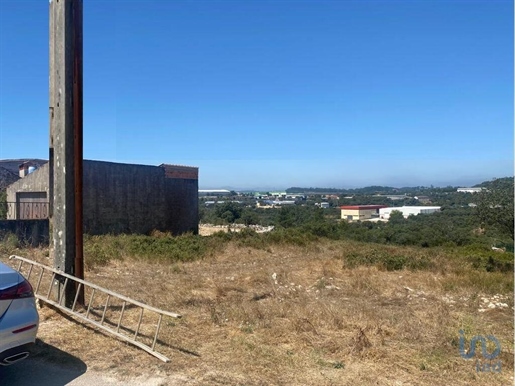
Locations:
{"points": [[249, 217], [396, 217], [3, 204], [229, 211], [495, 206]]}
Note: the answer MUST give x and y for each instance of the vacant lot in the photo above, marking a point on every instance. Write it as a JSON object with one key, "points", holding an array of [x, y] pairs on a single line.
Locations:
{"points": [[291, 315]]}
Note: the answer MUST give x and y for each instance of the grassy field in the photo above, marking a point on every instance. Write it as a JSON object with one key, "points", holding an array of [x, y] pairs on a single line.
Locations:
{"points": [[286, 310]]}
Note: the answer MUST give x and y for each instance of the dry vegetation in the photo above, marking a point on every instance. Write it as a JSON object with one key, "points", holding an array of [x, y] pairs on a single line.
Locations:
{"points": [[291, 315]]}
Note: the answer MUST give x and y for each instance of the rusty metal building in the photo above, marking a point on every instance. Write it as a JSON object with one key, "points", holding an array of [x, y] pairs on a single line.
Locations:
{"points": [[118, 198]]}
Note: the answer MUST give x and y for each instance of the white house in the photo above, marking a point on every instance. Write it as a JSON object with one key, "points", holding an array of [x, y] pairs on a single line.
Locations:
{"points": [[384, 213]]}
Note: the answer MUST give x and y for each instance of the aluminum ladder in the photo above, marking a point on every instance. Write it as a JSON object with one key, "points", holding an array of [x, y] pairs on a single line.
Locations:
{"points": [[117, 311]]}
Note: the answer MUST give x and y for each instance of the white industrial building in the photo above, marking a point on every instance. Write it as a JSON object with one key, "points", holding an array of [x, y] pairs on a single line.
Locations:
{"points": [[384, 213], [213, 192], [470, 190], [283, 202]]}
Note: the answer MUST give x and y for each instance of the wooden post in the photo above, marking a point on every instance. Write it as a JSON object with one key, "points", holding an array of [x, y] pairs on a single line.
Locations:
{"points": [[78, 142], [65, 151], [51, 93]]}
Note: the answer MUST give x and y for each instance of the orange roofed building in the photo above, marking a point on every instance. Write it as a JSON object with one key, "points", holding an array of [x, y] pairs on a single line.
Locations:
{"points": [[360, 212]]}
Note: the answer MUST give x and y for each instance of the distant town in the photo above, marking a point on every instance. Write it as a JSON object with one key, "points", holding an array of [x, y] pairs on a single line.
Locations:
{"points": [[173, 190], [374, 203]]}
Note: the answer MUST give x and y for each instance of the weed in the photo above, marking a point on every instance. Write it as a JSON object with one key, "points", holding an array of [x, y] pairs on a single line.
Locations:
{"points": [[393, 263], [478, 280], [246, 328], [321, 283], [360, 342], [338, 365], [10, 242], [218, 316]]}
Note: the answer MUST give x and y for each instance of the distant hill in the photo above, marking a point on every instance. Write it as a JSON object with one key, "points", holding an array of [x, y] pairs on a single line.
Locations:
{"points": [[7, 178], [9, 170], [370, 190], [13, 164], [382, 190], [487, 184]]}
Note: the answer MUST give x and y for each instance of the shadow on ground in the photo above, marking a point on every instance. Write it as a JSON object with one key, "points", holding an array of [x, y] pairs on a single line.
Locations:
{"points": [[47, 366]]}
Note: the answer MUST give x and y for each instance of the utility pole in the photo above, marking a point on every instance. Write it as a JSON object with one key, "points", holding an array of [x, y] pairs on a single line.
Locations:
{"points": [[66, 143]]}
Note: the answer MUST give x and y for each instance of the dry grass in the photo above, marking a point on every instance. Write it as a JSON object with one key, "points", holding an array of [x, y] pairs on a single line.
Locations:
{"points": [[297, 316]]}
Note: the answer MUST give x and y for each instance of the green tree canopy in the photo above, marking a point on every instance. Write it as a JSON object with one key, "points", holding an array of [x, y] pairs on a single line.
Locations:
{"points": [[229, 211], [396, 217], [495, 206]]}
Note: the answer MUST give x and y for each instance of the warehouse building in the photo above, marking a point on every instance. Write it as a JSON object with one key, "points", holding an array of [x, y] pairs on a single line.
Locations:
{"points": [[360, 212], [213, 192], [118, 198], [406, 211], [470, 190]]}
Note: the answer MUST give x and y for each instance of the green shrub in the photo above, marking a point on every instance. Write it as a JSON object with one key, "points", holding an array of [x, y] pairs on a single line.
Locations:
{"points": [[393, 263], [99, 250], [354, 259], [385, 260], [291, 236], [491, 263], [9, 243]]}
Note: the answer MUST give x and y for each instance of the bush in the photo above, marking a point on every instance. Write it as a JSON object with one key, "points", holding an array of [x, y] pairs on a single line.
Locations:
{"points": [[99, 250], [491, 263], [386, 260], [9, 243], [393, 263]]}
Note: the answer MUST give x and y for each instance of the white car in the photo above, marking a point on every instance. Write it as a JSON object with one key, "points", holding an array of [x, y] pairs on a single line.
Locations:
{"points": [[19, 319]]}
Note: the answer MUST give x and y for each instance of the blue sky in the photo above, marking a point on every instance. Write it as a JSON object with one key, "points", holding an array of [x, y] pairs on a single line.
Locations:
{"points": [[274, 94]]}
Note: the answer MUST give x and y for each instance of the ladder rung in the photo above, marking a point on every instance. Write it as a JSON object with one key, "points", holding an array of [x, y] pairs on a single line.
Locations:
{"points": [[90, 301], [30, 271], [105, 309], [121, 316], [63, 291], [39, 280], [157, 330], [51, 285], [139, 324], [76, 295]]}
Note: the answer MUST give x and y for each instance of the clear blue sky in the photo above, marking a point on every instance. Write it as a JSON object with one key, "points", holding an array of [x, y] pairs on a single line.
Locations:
{"points": [[273, 94]]}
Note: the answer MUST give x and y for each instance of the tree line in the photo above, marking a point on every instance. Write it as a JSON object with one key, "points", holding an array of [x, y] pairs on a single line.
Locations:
{"points": [[488, 222]]}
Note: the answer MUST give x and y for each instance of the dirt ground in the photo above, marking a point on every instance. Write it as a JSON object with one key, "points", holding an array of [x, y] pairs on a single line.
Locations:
{"points": [[290, 316]]}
